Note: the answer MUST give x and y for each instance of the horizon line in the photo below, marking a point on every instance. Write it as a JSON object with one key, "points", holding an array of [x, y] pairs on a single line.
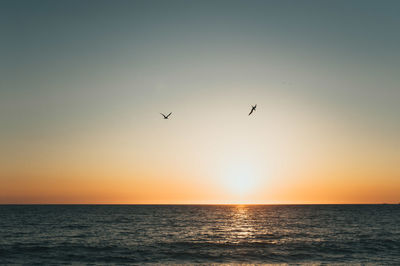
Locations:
{"points": [[202, 204]]}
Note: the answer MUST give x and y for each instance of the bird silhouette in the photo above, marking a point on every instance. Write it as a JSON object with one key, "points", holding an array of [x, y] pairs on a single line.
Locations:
{"points": [[253, 108], [166, 116]]}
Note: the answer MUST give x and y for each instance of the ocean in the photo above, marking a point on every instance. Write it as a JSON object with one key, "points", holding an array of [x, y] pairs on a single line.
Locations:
{"points": [[199, 234]]}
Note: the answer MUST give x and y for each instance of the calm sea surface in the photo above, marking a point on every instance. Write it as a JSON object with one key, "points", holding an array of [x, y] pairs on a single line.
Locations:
{"points": [[149, 234]]}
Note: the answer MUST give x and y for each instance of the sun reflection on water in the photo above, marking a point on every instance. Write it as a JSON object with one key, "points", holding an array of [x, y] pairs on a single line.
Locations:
{"points": [[241, 226]]}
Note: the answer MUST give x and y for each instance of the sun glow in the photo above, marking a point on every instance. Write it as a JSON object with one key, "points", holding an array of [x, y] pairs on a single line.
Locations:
{"points": [[241, 180]]}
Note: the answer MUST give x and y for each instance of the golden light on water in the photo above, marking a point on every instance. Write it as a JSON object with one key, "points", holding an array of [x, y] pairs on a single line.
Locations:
{"points": [[241, 227]]}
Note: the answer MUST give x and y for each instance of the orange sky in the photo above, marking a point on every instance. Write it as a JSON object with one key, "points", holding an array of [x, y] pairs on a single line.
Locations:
{"points": [[213, 165], [81, 93]]}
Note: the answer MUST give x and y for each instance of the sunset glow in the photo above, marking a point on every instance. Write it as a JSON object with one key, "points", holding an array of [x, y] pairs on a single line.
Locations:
{"points": [[83, 88]]}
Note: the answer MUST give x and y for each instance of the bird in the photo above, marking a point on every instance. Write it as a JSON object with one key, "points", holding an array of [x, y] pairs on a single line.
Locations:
{"points": [[253, 108], [166, 116]]}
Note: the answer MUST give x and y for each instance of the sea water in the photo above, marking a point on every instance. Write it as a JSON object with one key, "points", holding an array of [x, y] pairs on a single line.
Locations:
{"points": [[199, 234]]}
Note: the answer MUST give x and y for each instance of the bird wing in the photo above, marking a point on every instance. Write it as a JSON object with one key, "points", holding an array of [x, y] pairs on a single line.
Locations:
{"points": [[251, 111], [169, 114], [162, 114]]}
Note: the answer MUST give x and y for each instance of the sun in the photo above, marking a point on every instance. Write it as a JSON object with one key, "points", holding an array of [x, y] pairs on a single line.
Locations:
{"points": [[240, 179]]}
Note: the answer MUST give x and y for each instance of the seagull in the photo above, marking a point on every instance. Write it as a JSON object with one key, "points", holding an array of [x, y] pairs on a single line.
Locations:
{"points": [[253, 108], [166, 116]]}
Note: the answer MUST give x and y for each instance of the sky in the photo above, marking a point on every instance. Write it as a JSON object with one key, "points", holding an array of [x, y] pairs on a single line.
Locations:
{"points": [[83, 84]]}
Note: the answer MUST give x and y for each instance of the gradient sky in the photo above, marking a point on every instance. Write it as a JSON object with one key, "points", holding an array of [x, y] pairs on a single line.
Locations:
{"points": [[83, 82]]}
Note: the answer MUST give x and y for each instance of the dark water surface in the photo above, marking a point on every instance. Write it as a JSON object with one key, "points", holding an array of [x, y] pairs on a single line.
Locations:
{"points": [[139, 234]]}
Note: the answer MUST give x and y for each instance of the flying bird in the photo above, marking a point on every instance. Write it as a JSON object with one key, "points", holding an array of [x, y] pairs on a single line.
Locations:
{"points": [[166, 116], [253, 108]]}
